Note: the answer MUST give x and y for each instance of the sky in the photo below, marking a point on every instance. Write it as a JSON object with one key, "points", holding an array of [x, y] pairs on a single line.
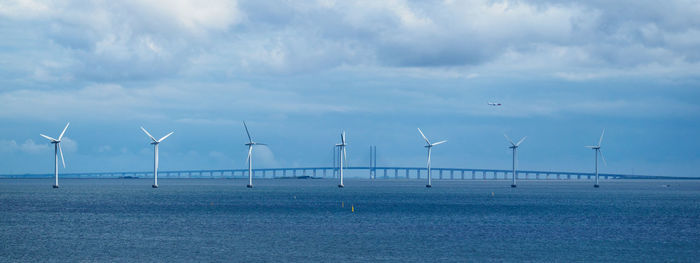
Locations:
{"points": [[300, 72]]}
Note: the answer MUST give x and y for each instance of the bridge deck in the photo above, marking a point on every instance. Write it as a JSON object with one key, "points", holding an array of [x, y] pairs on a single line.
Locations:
{"points": [[356, 171]]}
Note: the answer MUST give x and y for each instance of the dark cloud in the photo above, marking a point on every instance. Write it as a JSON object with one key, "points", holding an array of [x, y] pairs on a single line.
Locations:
{"points": [[134, 40]]}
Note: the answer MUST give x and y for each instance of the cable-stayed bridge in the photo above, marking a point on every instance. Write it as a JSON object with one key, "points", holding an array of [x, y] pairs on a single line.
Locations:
{"points": [[367, 172]]}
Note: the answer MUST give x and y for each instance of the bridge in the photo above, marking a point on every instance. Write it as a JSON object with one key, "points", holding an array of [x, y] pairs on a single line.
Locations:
{"points": [[370, 172]]}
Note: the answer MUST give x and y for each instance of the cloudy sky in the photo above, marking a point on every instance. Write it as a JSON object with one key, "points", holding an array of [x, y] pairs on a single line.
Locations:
{"points": [[299, 72]]}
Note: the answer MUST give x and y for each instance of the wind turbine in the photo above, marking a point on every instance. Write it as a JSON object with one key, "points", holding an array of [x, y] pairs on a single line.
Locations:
{"points": [[250, 156], [597, 151], [514, 146], [343, 155], [56, 149], [430, 149], [155, 157]]}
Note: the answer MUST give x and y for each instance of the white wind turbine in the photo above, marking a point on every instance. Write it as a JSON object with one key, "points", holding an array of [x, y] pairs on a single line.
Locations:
{"points": [[514, 146], [57, 149], [250, 156], [430, 149], [597, 151], [343, 156], [155, 157]]}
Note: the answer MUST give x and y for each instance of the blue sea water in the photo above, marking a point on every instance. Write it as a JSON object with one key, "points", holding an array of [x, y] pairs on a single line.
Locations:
{"points": [[125, 220]]}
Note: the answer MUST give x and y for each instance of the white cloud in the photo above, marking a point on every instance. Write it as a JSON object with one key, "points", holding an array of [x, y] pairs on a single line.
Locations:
{"points": [[118, 40], [194, 16], [264, 157], [29, 146], [68, 145], [153, 39], [23, 9]]}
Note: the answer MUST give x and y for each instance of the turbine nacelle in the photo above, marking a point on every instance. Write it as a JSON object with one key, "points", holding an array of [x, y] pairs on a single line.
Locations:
{"points": [[512, 144], [50, 139], [343, 142], [250, 139], [514, 147], [249, 159], [153, 139], [427, 142], [343, 156], [57, 142], [434, 144], [155, 154], [597, 148], [598, 152], [430, 150]]}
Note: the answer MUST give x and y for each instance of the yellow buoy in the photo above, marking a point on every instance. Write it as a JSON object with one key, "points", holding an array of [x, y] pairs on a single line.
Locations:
{"points": [[342, 204], [353, 208]]}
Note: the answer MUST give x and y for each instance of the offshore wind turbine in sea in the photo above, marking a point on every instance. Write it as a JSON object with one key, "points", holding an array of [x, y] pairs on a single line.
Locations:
{"points": [[343, 156], [514, 146], [155, 155], [57, 149], [597, 151], [250, 156], [430, 150]]}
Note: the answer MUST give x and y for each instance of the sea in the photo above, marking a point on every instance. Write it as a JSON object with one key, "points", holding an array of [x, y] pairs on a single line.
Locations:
{"points": [[312, 220]]}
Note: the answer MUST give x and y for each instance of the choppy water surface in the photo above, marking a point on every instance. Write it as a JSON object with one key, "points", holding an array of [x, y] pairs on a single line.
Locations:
{"points": [[312, 220]]}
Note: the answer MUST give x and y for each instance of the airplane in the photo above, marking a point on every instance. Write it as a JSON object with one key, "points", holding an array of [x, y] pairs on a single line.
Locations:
{"points": [[494, 104]]}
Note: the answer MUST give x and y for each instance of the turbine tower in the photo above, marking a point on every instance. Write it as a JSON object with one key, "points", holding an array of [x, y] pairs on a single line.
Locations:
{"points": [[430, 149], [155, 156], [598, 151], [343, 155], [514, 146], [250, 156], [57, 149]]}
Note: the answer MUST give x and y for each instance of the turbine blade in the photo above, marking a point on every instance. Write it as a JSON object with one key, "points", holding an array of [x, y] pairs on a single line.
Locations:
{"points": [[149, 135], [166, 136], [423, 135], [521, 141], [602, 158], [63, 132], [47, 137], [601, 137], [590, 147], [342, 137], [345, 157], [250, 153], [440, 142], [509, 140], [257, 143], [61, 151], [247, 132], [429, 152]]}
